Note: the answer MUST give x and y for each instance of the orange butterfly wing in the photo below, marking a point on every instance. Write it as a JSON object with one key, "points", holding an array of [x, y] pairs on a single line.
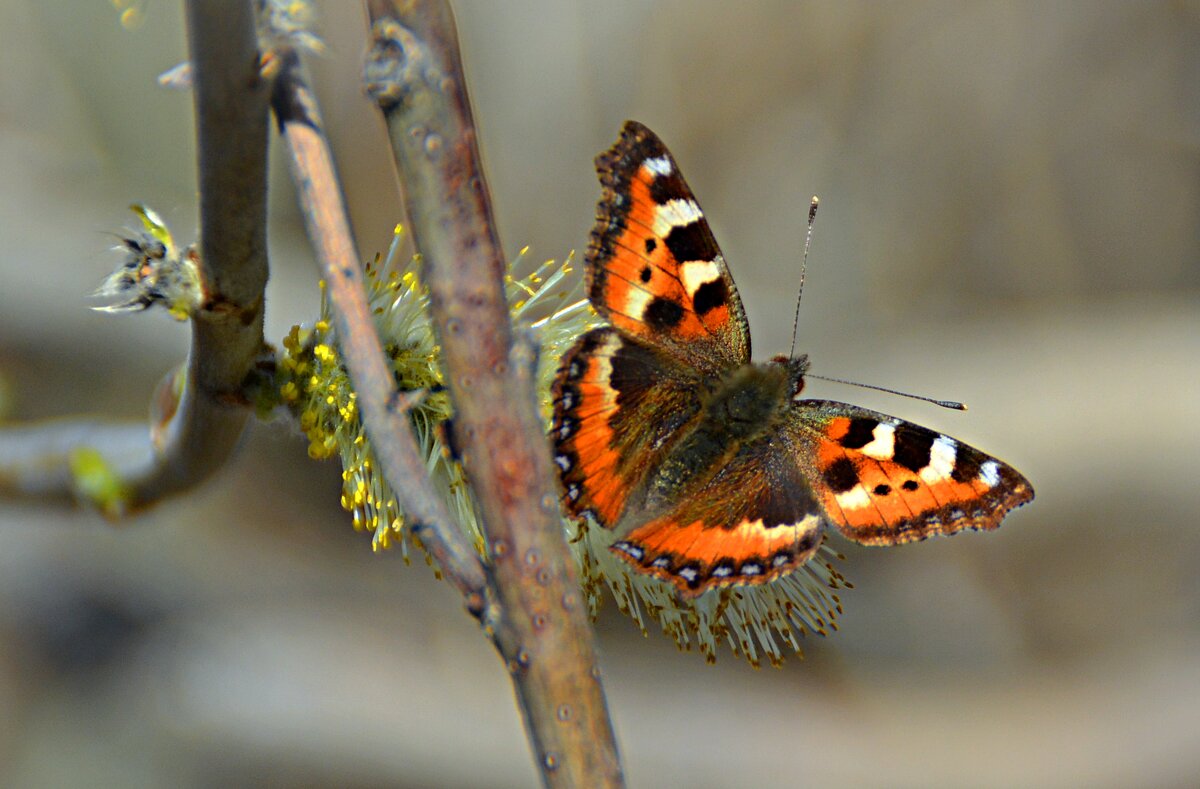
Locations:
{"points": [[884, 481], [755, 520], [653, 268], [877, 479], [618, 406]]}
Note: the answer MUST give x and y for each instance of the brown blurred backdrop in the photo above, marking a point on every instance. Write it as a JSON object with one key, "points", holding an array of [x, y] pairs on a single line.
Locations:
{"points": [[1010, 203]]}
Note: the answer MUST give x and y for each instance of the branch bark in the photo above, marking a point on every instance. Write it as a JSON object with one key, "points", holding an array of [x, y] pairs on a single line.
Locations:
{"points": [[384, 409], [227, 335], [414, 72]]}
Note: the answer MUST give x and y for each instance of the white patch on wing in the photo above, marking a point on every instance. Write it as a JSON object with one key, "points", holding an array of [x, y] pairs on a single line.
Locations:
{"points": [[636, 301], [603, 358], [941, 460], [807, 523], [883, 442], [659, 165], [674, 213], [989, 474], [695, 273], [854, 499], [784, 532], [629, 550]]}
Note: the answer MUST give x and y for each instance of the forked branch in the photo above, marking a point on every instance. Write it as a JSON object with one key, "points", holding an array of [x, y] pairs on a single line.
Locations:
{"points": [[207, 415]]}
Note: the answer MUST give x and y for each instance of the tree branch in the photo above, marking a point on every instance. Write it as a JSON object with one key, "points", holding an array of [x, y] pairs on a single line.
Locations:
{"points": [[227, 335], [384, 410], [36, 458], [415, 74], [208, 417]]}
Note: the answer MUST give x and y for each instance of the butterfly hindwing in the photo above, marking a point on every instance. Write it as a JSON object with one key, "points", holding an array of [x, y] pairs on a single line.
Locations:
{"points": [[618, 405], [653, 268], [754, 520], [884, 481]]}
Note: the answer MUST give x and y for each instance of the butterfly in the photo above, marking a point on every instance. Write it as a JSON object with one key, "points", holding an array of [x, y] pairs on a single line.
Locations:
{"points": [[710, 470]]}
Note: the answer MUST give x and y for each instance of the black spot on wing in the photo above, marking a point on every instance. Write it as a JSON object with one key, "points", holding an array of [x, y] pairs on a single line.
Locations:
{"points": [[861, 432], [967, 463], [841, 476], [666, 188], [910, 484], [663, 314], [912, 447], [651, 245], [632, 373], [777, 505], [709, 296], [692, 241]]}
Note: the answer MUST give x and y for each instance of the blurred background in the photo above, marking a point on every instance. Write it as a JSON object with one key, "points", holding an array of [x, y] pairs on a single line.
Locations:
{"points": [[1010, 201]]}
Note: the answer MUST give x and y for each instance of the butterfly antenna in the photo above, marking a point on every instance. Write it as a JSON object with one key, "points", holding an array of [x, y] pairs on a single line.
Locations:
{"points": [[812, 214], [953, 405]]}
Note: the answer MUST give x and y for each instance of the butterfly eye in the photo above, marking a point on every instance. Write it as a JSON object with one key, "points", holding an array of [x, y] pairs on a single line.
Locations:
{"points": [[797, 367], [797, 385]]}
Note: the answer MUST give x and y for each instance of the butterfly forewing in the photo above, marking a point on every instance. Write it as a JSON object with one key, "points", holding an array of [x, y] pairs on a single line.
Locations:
{"points": [[884, 481], [654, 269]]}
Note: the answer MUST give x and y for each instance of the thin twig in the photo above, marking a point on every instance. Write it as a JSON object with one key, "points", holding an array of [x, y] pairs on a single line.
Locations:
{"points": [[415, 74], [231, 127], [35, 458], [384, 411]]}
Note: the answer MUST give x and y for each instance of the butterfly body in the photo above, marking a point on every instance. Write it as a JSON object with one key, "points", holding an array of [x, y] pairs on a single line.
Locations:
{"points": [[735, 410], [708, 469]]}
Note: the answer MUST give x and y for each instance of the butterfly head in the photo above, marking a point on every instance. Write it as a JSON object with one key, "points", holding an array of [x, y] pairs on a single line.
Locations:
{"points": [[796, 367]]}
